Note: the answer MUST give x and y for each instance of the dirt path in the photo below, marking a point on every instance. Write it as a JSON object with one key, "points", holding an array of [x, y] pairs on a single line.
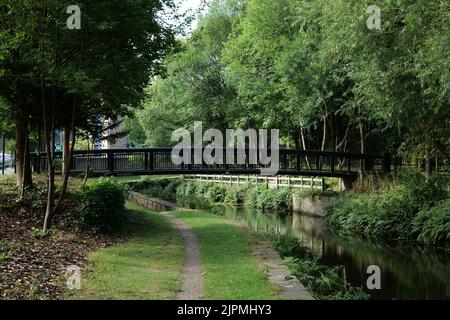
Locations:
{"points": [[191, 278]]}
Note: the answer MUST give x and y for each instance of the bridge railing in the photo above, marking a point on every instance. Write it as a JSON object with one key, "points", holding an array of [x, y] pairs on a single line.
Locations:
{"points": [[275, 182], [159, 161]]}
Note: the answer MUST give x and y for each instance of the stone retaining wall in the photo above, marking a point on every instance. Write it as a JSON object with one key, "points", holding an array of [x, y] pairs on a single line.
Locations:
{"points": [[153, 204]]}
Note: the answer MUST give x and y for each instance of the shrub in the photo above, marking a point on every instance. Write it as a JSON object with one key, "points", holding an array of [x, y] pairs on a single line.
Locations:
{"points": [[159, 188], [316, 193], [102, 208], [389, 211], [432, 226], [289, 246], [237, 195], [170, 191], [189, 194], [216, 193], [266, 199], [253, 196]]}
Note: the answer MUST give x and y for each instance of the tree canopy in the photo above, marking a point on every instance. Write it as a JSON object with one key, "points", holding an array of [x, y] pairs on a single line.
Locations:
{"points": [[314, 70]]}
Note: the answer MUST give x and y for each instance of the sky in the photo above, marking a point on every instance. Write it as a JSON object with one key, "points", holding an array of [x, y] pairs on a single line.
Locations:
{"points": [[190, 5]]}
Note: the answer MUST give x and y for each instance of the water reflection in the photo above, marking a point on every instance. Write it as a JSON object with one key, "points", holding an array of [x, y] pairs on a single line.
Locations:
{"points": [[408, 272]]}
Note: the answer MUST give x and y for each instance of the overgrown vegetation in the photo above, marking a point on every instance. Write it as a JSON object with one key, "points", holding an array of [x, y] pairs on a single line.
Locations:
{"points": [[324, 282], [102, 207], [164, 188], [199, 195], [410, 208]]}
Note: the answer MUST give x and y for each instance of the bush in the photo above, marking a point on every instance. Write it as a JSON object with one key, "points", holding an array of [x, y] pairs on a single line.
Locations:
{"points": [[314, 193], [266, 199], [190, 195], [161, 188], [388, 212], [170, 191], [432, 226], [216, 193], [237, 195], [289, 246], [102, 208]]}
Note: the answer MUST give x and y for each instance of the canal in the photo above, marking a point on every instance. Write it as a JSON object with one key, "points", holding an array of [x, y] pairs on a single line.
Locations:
{"points": [[408, 272]]}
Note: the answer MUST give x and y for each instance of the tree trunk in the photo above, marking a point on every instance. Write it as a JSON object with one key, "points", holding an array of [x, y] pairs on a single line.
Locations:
{"points": [[333, 132], [50, 198], [88, 160], [324, 133], [69, 147], [361, 136], [66, 147], [23, 165], [302, 135]]}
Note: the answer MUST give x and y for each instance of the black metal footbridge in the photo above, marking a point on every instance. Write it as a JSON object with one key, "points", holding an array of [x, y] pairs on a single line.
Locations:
{"points": [[158, 161]]}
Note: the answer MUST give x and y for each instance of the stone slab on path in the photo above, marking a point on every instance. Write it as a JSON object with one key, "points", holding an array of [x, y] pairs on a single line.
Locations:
{"points": [[278, 273]]}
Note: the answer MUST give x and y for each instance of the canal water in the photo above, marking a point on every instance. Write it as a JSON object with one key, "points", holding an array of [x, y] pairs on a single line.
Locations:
{"points": [[407, 272]]}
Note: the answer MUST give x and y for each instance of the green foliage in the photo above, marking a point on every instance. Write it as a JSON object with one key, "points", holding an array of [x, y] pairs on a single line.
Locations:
{"points": [[433, 225], [237, 195], [201, 195], [316, 193], [289, 246], [102, 207], [389, 212], [3, 256], [157, 188], [299, 65], [216, 193], [327, 283], [266, 199], [39, 233], [324, 282]]}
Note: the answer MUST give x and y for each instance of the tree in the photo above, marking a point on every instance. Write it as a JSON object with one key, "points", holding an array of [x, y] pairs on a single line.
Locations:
{"points": [[75, 77]]}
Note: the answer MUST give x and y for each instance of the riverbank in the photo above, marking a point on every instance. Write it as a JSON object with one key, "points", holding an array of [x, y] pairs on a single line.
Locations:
{"points": [[411, 208], [408, 207], [405, 263]]}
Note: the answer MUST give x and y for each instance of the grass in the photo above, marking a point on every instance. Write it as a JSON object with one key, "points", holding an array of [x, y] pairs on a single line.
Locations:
{"points": [[147, 266], [230, 271]]}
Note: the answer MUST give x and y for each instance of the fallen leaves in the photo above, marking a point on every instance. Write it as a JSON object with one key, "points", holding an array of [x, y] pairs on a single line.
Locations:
{"points": [[35, 267]]}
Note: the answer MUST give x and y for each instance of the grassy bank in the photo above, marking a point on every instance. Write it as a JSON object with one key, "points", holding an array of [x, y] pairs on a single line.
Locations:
{"points": [[230, 271], [146, 266], [409, 208]]}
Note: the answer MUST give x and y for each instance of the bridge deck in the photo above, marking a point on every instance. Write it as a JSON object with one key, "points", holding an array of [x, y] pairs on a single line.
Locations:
{"points": [[155, 161]]}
